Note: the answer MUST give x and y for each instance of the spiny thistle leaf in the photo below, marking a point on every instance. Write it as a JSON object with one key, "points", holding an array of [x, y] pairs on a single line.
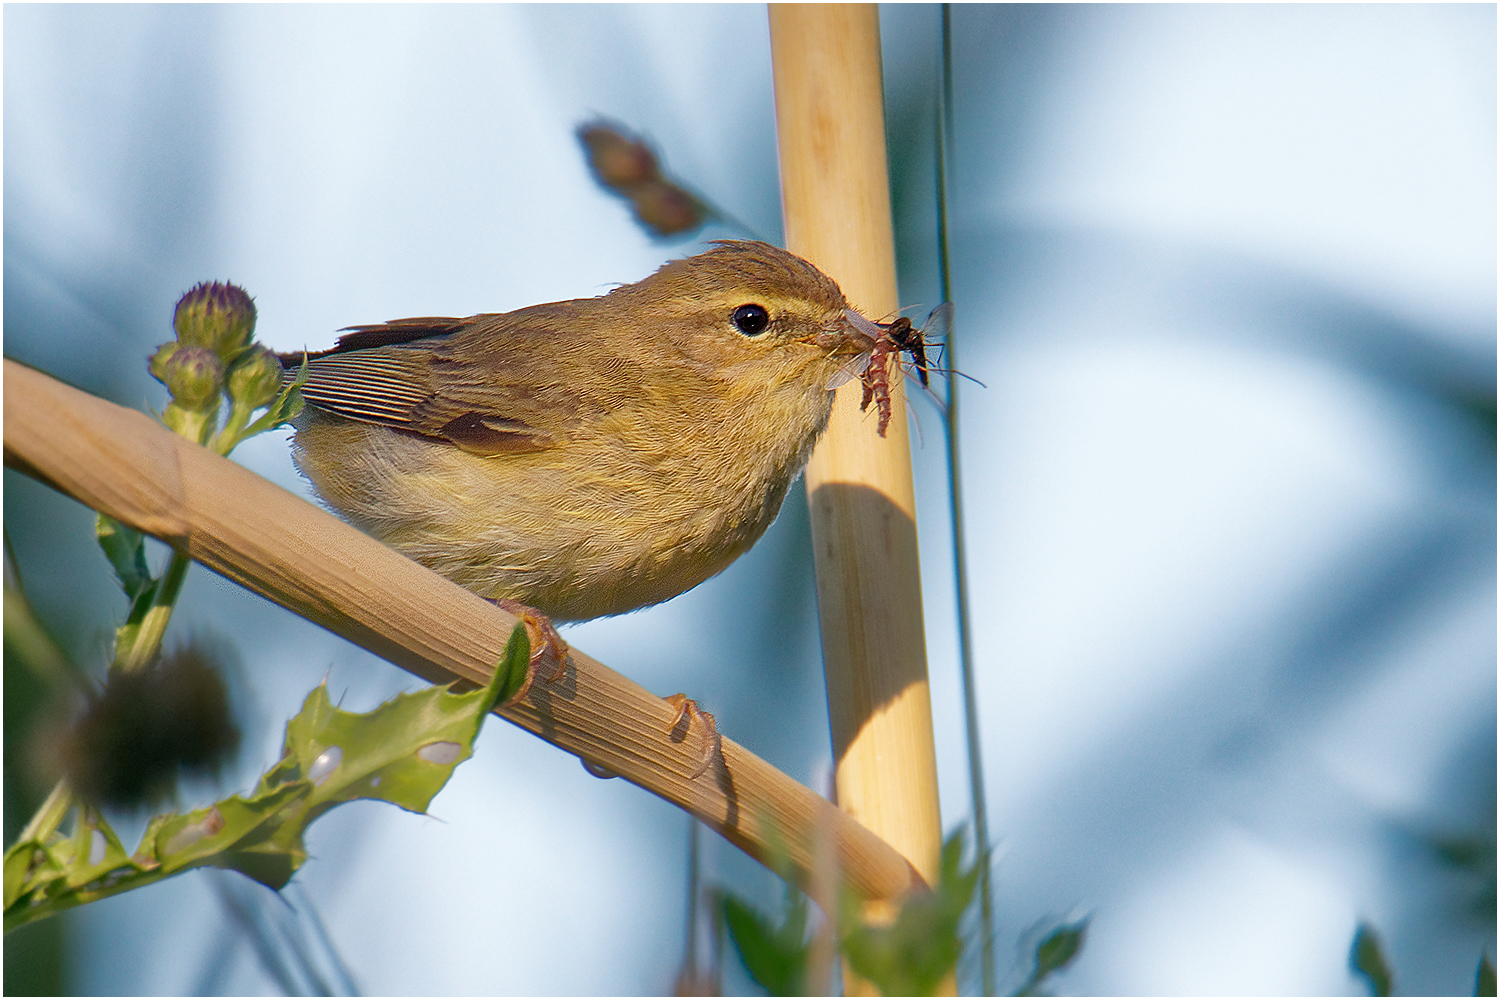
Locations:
{"points": [[403, 752], [126, 550]]}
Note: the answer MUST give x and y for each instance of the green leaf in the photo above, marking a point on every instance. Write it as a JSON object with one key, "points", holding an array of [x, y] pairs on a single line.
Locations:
{"points": [[1056, 952], [27, 865], [95, 850], [267, 826], [775, 957], [126, 550], [1367, 959], [1484, 980], [510, 674], [913, 955], [403, 752]]}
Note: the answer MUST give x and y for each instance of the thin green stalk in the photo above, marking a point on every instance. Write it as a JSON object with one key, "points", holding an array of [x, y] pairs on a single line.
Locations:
{"points": [[154, 625], [695, 896], [145, 645], [943, 139]]}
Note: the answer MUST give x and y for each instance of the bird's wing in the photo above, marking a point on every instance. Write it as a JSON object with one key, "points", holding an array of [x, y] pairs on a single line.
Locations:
{"points": [[482, 383]]}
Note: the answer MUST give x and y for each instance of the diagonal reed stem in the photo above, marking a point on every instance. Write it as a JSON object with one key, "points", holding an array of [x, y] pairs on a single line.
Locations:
{"points": [[278, 545]]}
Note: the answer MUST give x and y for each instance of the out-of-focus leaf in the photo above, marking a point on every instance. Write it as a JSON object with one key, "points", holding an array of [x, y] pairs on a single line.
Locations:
{"points": [[775, 957], [1484, 981], [1473, 853], [1474, 856], [911, 956], [1367, 959], [28, 640], [1478, 407], [1057, 950]]}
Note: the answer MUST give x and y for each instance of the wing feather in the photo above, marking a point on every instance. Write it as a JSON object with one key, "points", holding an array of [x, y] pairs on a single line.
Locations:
{"points": [[474, 382]]}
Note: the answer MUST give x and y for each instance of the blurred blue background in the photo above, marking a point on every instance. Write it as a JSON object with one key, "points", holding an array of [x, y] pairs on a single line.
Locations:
{"points": [[1228, 275]]}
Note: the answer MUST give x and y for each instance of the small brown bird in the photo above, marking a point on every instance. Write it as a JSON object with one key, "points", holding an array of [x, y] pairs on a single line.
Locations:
{"points": [[589, 457]]}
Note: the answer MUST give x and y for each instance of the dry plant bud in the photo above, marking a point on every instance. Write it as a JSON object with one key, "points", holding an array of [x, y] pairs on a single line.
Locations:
{"points": [[667, 209], [618, 161], [627, 167]]}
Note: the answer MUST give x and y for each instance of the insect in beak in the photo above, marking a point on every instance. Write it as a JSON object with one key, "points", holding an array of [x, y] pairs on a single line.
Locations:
{"points": [[870, 364], [886, 339]]}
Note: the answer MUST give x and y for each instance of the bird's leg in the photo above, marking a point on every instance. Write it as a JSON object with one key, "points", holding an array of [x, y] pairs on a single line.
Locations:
{"points": [[547, 646], [688, 708]]}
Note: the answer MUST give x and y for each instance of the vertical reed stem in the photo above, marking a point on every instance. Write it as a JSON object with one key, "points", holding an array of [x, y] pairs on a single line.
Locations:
{"points": [[836, 201]]}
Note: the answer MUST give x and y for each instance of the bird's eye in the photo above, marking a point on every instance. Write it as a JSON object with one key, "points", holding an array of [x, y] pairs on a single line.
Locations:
{"points": [[751, 319]]}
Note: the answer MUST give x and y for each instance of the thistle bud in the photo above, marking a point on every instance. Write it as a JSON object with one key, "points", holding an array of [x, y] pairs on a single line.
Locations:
{"points": [[145, 727], [215, 315], [193, 375], [255, 378]]}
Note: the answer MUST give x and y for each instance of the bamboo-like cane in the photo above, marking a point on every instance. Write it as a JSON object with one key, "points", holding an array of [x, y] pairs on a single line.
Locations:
{"points": [[836, 201], [280, 546]]}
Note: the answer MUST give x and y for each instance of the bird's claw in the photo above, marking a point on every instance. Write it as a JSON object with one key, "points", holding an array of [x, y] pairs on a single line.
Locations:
{"points": [[688, 709], [547, 646]]}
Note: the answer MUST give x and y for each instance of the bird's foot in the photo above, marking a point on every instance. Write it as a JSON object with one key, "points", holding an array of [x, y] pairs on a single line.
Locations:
{"points": [[548, 650], [688, 709]]}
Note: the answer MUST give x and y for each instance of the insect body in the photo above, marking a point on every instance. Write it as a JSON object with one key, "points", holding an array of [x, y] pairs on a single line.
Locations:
{"points": [[906, 337], [896, 337]]}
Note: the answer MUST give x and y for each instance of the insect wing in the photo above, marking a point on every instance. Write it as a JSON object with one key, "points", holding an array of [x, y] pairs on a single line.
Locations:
{"points": [[939, 323], [872, 330], [854, 368]]}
